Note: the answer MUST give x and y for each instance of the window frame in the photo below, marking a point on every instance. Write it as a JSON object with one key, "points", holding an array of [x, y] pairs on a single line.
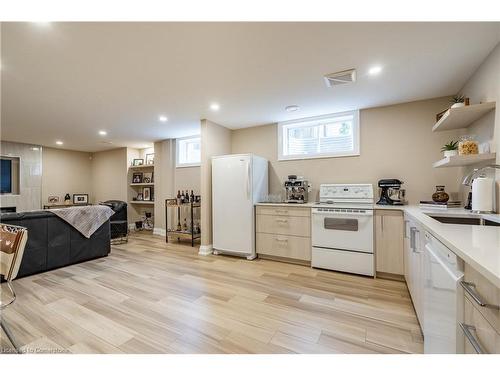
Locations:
{"points": [[317, 120], [177, 150]]}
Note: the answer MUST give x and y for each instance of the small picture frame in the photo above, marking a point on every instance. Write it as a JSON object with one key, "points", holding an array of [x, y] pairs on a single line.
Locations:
{"points": [[150, 159], [80, 198], [137, 178], [52, 199], [137, 162], [146, 193], [148, 177]]}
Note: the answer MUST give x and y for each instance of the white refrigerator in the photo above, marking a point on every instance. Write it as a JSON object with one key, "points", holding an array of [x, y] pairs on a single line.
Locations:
{"points": [[238, 182]]}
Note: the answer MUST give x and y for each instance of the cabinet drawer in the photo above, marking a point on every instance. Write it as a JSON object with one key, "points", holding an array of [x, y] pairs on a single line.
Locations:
{"points": [[487, 293], [284, 246], [287, 225], [479, 331], [283, 211]]}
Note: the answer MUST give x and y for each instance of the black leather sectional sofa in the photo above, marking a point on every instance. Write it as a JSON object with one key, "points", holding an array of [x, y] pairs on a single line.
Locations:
{"points": [[53, 243]]}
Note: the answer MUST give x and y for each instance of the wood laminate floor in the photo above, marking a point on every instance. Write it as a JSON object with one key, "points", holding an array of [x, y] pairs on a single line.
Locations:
{"points": [[152, 297]]}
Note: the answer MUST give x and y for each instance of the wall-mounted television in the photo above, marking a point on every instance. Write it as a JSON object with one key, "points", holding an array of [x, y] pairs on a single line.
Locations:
{"points": [[9, 175]]}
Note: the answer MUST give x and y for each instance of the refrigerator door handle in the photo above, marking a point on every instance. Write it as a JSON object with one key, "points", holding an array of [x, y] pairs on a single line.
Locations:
{"points": [[248, 180]]}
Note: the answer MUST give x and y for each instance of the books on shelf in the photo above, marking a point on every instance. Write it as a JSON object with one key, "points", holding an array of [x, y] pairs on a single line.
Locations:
{"points": [[440, 205]]}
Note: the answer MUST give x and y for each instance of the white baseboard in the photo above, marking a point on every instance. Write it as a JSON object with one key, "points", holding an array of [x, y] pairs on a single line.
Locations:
{"points": [[160, 232], [205, 250]]}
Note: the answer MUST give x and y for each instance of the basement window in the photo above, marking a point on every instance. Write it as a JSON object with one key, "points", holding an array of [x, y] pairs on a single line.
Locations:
{"points": [[188, 152], [334, 135]]}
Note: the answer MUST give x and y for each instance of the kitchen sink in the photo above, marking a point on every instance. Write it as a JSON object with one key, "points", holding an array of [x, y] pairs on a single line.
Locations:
{"points": [[463, 220]]}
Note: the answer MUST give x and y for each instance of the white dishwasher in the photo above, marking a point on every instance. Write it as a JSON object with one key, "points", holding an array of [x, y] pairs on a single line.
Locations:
{"points": [[443, 299]]}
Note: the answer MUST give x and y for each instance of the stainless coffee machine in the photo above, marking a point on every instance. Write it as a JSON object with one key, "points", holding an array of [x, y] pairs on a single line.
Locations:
{"points": [[296, 189]]}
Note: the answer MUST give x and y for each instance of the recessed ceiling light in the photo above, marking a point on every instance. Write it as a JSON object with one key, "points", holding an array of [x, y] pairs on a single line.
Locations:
{"points": [[374, 70], [292, 108], [214, 106], [163, 118], [35, 148], [103, 132], [59, 143]]}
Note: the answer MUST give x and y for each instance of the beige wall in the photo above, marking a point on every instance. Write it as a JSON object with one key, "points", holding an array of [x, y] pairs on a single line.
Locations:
{"points": [[109, 175], [484, 86], [164, 182], [215, 140], [65, 172], [187, 178], [396, 142]]}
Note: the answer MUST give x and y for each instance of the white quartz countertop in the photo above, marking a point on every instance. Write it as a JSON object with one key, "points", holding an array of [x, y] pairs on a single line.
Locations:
{"points": [[477, 245], [304, 205]]}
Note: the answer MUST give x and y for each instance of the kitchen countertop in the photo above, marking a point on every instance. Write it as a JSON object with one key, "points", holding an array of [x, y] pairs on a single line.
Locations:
{"points": [[304, 205], [477, 245]]}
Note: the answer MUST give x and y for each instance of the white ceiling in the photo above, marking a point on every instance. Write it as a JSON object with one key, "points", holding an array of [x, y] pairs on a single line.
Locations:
{"points": [[67, 81]]}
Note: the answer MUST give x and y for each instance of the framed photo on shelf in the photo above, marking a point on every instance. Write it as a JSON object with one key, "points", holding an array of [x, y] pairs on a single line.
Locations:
{"points": [[137, 162], [53, 199], [80, 198], [137, 178], [150, 159], [148, 177], [146, 193]]}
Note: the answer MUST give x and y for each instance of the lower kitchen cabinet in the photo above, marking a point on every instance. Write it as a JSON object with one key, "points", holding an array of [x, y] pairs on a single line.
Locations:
{"points": [[480, 337], [414, 244], [389, 229], [284, 233]]}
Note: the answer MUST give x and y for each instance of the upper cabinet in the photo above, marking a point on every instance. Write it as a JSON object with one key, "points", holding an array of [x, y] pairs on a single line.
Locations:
{"points": [[462, 117]]}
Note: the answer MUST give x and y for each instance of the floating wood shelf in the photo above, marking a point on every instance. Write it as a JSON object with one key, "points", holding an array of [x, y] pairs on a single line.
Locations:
{"points": [[462, 117], [142, 166], [142, 202], [463, 160], [143, 184]]}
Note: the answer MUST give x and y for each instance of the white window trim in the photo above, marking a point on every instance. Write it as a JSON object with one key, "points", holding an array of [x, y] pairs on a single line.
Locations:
{"points": [[184, 165], [355, 130]]}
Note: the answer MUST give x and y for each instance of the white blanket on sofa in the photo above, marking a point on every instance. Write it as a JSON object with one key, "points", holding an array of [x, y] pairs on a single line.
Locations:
{"points": [[85, 219]]}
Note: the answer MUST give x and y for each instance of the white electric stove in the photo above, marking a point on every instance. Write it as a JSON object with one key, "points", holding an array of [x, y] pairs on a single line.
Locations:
{"points": [[342, 229]]}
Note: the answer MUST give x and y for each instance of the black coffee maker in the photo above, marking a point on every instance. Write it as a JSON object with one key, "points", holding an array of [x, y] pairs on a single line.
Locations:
{"points": [[391, 193]]}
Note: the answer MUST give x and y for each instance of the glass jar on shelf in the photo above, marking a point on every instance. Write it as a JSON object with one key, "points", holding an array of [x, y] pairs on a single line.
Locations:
{"points": [[468, 145]]}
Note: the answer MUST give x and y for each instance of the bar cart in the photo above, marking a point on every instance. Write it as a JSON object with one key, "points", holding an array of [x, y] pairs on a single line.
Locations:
{"points": [[190, 232]]}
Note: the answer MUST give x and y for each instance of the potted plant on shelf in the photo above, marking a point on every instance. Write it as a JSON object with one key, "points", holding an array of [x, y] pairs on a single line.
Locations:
{"points": [[458, 101], [450, 149]]}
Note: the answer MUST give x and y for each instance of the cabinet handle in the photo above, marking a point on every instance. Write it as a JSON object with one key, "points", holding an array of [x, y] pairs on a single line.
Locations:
{"points": [[282, 211], [281, 220], [467, 329], [405, 231], [470, 288], [281, 239]]}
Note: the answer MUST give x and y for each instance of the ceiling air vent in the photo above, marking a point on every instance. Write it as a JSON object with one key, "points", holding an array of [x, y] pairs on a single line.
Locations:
{"points": [[339, 78]]}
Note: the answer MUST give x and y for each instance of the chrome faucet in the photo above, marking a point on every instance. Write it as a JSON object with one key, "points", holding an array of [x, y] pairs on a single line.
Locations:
{"points": [[477, 171]]}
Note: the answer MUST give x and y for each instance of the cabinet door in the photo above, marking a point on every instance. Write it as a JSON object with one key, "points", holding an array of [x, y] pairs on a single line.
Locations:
{"points": [[389, 241], [406, 250]]}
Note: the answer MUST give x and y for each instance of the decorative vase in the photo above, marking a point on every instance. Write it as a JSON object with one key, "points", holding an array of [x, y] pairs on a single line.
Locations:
{"points": [[457, 105], [440, 195], [449, 153]]}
